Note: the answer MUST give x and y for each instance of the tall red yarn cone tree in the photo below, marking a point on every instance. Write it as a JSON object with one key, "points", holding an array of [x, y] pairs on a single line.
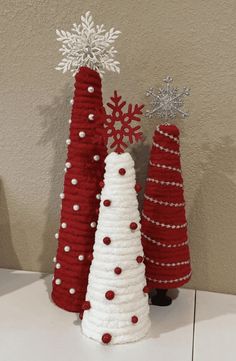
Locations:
{"points": [[164, 225], [88, 54]]}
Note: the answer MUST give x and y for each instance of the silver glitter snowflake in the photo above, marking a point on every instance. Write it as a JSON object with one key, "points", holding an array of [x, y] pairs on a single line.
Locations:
{"points": [[167, 102], [88, 45]]}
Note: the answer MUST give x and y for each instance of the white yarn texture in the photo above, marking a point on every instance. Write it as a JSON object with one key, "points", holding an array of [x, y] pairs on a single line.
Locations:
{"points": [[114, 316]]}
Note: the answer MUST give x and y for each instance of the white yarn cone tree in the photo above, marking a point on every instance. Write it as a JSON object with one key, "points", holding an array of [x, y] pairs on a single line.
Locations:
{"points": [[116, 309]]}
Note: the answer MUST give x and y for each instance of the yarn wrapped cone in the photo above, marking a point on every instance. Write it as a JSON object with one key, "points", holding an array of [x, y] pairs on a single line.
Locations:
{"points": [[116, 309], [164, 226], [80, 198]]}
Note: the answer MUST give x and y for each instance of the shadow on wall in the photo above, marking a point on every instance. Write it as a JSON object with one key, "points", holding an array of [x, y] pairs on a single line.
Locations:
{"points": [[15, 280], [10, 280], [8, 257], [55, 132], [212, 228]]}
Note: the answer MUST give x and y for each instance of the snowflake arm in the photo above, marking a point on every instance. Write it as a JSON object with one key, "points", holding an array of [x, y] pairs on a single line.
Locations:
{"points": [[88, 45], [167, 102], [118, 124]]}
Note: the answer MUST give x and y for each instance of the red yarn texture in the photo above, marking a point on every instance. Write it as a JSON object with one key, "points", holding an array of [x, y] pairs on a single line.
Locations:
{"points": [[164, 229], [79, 235]]}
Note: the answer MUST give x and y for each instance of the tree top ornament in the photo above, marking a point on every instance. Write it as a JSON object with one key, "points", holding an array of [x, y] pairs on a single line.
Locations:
{"points": [[117, 124], [88, 45], [167, 102]]}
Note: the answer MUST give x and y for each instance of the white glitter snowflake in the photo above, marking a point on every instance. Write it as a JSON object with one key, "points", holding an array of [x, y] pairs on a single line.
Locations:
{"points": [[167, 102], [88, 45]]}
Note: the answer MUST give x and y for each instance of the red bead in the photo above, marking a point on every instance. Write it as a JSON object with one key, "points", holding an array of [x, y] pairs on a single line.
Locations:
{"points": [[106, 338], [107, 240], [86, 305], [139, 259], [90, 257], [133, 226], [118, 270], [138, 187], [145, 289], [110, 295], [122, 171], [107, 203], [101, 184], [134, 319]]}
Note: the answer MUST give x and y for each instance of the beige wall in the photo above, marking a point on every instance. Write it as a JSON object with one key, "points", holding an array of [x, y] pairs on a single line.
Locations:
{"points": [[195, 42]]}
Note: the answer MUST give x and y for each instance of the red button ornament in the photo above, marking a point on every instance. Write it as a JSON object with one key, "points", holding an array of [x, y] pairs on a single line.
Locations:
{"points": [[101, 184], [86, 305], [118, 270], [109, 295], [134, 319], [107, 240], [145, 289], [122, 171], [139, 259], [138, 187], [133, 226], [106, 338], [107, 203]]}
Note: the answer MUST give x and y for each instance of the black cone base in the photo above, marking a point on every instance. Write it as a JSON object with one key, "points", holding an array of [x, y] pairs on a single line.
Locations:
{"points": [[161, 298]]}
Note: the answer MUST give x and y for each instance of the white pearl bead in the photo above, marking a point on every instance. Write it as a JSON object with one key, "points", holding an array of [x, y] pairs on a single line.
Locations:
{"points": [[58, 281], [74, 181], [90, 89], [68, 141], [81, 257], [72, 101], [93, 224], [98, 196], [62, 195], [68, 165], [54, 259], [91, 117], [65, 170], [56, 235], [81, 134], [72, 291], [75, 207], [64, 225], [67, 248], [58, 266], [96, 157]]}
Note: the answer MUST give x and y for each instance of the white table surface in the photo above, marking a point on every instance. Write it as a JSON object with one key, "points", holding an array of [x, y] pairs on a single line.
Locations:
{"points": [[215, 327], [34, 329]]}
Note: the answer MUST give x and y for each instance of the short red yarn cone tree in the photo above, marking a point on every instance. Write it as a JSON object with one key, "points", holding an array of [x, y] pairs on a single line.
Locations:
{"points": [[164, 225], [87, 53]]}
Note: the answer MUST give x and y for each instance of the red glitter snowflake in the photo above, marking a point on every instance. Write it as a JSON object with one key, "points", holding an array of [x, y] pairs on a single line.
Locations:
{"points": [[117, 124]]}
